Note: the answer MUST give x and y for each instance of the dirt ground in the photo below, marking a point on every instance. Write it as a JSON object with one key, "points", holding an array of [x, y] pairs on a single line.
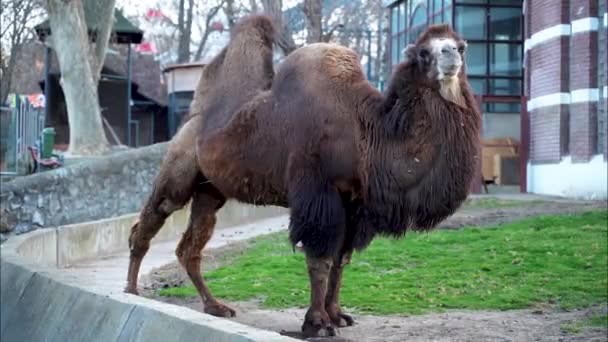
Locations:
{"points": [[536, 324]]}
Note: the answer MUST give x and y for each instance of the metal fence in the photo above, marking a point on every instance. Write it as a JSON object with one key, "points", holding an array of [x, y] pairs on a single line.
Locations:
{"points": [[20, 127]]}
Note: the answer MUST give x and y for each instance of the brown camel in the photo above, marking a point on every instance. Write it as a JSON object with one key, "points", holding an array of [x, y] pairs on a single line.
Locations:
{"points": [[317, 138]]}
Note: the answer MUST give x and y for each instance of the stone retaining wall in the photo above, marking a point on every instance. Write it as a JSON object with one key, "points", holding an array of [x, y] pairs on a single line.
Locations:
{"points": [[105, 187]]}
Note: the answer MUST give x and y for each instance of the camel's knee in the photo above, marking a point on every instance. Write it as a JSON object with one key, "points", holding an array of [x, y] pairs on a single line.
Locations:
{"points": [[187, 257], [139, 242]]}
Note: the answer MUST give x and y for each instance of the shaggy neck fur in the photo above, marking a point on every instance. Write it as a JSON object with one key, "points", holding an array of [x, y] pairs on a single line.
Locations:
{"points": [[450, 90], [419, 155]]}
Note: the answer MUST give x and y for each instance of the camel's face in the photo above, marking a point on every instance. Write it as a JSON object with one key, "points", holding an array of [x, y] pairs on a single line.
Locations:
{"points": [[439, 57], [447, 56]]}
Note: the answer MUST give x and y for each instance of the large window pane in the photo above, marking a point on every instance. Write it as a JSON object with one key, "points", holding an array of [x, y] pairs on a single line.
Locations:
{"points": [[437, 5], [505, 59], [478, 85], [419, 16], [471, 1], [476, 59], [494, 107], [402, 17], [511, 2], [395, 50], [508, 87], [505, 23], [447, 16], [471, 22], [437, 19], [395, 20]]}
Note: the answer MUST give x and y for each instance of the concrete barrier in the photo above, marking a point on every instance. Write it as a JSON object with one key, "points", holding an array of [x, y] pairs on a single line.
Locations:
{"points": [[42, 300]]}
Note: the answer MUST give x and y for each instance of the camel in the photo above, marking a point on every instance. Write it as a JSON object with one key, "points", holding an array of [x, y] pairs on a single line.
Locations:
{"points": [[348, 161]]}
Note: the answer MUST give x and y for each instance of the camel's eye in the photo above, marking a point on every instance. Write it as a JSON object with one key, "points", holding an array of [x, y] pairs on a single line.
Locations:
{"points": [[461, 50], [424, 53]]}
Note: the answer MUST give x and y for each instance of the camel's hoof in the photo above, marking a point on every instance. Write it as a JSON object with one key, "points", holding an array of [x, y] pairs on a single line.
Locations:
{"points": [[219, 310], [342, 320], [317, 326], [131, 290]]}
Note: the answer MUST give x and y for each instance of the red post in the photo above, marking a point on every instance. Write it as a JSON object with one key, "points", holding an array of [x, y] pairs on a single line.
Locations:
{"points": [[524, 150], [477, 179]]}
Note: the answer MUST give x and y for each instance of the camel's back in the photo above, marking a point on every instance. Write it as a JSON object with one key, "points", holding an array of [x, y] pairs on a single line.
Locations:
{"points": [[322, 66]]}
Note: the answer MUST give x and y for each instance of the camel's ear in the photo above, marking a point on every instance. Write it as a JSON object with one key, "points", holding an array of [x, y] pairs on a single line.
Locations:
{"points": [[409, 52]]}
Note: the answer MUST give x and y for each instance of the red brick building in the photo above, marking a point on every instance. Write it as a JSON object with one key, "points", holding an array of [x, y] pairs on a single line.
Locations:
{"points": [[539, 69]]}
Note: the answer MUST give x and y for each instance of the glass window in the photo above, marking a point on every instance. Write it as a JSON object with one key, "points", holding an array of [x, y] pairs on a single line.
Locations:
{"points": [[511, 2], [505, 23], [395, 50], [478, 85], [437, 19], [471, 22], [508, 87], [495, 107], [476, 59], [447, 16], [394, 20], [505, 59], [471, 1], [436, 6], [447, 3], [419, 16], [402, 17]]}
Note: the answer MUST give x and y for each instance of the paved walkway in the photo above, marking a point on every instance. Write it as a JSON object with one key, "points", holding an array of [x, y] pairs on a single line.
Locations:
{"points": [[110, 273]]}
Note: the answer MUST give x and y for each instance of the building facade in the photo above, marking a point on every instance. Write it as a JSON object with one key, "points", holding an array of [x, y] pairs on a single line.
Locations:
{"points": [[539, 71]]}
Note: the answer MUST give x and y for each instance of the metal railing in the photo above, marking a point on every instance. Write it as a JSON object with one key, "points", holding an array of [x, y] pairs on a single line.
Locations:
{"points": [[21, 127]]}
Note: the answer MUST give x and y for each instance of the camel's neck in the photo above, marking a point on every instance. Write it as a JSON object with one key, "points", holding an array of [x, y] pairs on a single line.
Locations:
{"points": [[451, 91], [418, 156]]}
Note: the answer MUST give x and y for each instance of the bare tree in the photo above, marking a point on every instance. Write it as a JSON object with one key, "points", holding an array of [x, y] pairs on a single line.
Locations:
{"points": [[313, 10], [101, 25], [184, 27], [70, 40], [274, 8], [17, 18], [207, 29]]}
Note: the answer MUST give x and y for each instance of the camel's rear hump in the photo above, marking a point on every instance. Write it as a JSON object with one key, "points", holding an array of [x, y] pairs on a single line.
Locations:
{"points": [[238, 73]]}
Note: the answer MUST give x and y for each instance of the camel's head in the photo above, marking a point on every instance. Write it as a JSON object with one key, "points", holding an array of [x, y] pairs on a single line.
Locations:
{"points": [[438, 58]]}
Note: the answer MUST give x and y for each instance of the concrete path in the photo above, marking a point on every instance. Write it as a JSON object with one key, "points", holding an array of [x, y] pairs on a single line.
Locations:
{"points": [[111, 272]]}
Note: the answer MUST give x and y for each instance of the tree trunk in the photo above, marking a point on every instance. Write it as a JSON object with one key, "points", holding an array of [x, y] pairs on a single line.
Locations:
{"points": [[71, 44], [313, 11], [230, 13], [102, 23], [274, 8], [185, 30]]}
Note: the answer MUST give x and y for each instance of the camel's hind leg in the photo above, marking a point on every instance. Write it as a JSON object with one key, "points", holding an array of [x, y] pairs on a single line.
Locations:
{"points": [[206, 202], [151, 219], [332, 299], [172, 189]]}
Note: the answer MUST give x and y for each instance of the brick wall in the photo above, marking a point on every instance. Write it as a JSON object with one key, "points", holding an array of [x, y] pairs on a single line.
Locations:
{"points": [[602, 113], [564, 75], [583, 75], [548, 73]]}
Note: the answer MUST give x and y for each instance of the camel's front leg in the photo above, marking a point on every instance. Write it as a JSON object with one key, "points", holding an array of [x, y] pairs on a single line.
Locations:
{"points": [[332, 299], [317, 322]]}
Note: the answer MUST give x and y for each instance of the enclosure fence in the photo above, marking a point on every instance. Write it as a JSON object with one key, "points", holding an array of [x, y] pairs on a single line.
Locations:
{"points": [[20, 127]]}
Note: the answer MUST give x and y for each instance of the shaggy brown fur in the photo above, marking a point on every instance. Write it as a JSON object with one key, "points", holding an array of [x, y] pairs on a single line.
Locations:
{"points": [[316, 137]]}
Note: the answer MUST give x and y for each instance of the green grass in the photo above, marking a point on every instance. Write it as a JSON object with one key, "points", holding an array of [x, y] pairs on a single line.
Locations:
{"points": [[561, 260], [600, 321]]}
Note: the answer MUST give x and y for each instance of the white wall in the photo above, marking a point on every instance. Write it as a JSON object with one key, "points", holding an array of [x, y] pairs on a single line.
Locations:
{"points": [[567, 179]]}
